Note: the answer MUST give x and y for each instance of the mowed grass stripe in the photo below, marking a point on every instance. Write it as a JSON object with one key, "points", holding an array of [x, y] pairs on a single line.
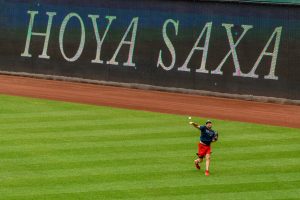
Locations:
{"points": [[129, 133], [165, 132], [152, 189], [94, 130], [7, 169], [136, 165], [290, 181], [108, 156], [55, 150], [85, 114], [42, 178], [91, 132], [124, 174], [259, 165], [289, 194], [56, 116], [68, 144], [16, 152], [135, 189], [108, 133], [56, 138], [84, 123]]}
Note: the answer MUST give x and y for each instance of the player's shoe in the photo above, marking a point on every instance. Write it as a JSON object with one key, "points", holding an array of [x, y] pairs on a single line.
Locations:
{"points": [[206, 173], [197, 165]]}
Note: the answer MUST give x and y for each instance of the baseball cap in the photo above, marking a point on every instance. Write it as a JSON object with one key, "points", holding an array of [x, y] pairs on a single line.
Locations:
{"points": [[208, 121]]}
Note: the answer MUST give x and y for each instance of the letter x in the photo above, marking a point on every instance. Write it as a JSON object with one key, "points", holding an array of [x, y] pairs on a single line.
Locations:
{"points": [[232, 50]]}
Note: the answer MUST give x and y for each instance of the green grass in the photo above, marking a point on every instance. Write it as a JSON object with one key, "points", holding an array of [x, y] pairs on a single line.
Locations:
{"points": [[57, 150]]}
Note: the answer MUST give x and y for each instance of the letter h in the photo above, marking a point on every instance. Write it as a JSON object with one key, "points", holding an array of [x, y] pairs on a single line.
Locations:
{"points": [[46, 34]]}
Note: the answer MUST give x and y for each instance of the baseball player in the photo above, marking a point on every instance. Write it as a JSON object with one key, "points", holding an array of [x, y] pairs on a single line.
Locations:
{"points": [[207, 136]]}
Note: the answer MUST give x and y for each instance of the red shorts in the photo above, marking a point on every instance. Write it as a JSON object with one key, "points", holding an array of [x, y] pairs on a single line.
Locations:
{"points": [[203, 150]]}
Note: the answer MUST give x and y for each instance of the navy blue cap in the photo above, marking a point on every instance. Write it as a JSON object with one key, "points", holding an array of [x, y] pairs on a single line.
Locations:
{"points": [[208, 121]]}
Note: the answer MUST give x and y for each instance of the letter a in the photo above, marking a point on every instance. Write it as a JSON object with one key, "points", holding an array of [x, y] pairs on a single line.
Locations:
{"points": [[202, 69], [134, 24], [274, 54]]}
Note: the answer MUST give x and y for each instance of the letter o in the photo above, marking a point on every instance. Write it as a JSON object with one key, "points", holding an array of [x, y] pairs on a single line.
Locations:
{"points": [[61, 37]]}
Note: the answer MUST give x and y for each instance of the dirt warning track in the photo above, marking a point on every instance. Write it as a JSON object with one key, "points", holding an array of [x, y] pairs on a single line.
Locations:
{"points": [[175, 103]]}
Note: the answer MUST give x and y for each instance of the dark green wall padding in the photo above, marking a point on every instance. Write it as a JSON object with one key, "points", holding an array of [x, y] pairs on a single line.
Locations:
{"points": [[289, 2]]}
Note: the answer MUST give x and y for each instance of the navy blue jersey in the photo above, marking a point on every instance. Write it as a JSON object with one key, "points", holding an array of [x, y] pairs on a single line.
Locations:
{"points": [[207, 135]]}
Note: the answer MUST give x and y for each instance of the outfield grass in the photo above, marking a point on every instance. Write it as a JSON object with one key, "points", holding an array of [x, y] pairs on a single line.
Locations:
{"points": [[56, 150]]}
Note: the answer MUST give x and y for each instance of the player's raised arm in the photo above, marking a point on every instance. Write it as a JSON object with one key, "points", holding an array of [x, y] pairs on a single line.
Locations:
{"points": [[194, 124]]}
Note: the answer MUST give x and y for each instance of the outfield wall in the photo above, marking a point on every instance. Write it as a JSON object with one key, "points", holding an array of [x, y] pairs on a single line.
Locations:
{"points": [[280, 2], [247, 49]]}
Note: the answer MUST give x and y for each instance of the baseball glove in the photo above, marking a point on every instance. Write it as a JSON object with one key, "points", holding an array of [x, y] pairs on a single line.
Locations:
{"points": [[216, 137]]}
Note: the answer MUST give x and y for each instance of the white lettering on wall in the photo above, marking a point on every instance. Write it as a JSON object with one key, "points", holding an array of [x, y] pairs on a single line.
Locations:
{"points": [[133, 25], [207, 29], [30, 33], [168, 44], [170, 27], [98, 39], [61, 37], [274, 54], [232, 50]]}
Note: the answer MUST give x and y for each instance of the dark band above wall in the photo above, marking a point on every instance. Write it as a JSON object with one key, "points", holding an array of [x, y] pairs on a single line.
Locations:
{"points": [[230, 48], [284, 2]]}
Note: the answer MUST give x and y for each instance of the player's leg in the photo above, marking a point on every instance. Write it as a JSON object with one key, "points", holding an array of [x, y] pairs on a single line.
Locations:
{"points": [[207, 159], [197, 162], [200, 154]]}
